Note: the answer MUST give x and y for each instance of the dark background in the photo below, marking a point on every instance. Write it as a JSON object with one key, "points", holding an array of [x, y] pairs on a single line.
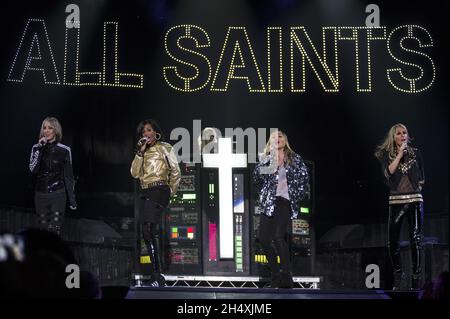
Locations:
{"points": [[337, 131]]}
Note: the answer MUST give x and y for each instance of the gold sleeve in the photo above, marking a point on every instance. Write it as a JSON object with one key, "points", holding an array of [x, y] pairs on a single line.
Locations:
{"points": [[136, 167], [174, 170]]}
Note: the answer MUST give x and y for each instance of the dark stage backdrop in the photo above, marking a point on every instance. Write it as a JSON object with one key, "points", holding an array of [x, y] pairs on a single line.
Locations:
{"points": [[337, 130]]}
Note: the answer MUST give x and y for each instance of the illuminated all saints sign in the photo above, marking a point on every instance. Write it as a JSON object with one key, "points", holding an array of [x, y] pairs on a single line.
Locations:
{"points": [[189, 66]]}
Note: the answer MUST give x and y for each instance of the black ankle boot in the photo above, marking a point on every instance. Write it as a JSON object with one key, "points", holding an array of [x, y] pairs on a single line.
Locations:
{"points": [[286, 280], [398, 279]]}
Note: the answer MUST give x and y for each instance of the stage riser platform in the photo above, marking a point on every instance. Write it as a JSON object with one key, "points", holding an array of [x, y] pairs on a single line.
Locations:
{"points": [[242, 293]]}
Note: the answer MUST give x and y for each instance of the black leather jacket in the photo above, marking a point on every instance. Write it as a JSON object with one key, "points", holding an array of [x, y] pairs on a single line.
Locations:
{"points": [[52, 166]]}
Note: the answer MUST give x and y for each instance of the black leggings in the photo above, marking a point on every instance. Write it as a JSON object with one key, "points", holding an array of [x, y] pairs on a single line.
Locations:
{"points": [[414, 213], [50, 209], [273, 236]]}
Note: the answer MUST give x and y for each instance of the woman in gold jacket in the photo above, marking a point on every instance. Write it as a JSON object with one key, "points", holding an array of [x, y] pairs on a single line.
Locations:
{"points": [[156, 167]]}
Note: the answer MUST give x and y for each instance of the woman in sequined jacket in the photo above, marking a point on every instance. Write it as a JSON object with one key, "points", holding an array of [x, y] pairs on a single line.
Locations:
{"points": [[281, 181], [403, 170], [156, 167]]}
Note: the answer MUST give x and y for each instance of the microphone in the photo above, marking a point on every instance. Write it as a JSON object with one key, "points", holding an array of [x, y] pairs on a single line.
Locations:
{"points": [[405, 150], [42, 142], [142, 141], [405, 154]]}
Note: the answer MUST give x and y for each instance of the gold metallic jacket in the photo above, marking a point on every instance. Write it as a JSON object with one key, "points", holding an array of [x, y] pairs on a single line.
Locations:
{"points": [[158, 164]]}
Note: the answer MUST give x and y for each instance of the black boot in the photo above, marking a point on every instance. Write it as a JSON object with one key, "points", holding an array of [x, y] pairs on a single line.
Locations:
{"points": [[150, 233], [275, 279], [415, 279], [286, 280], [156, 279], [399, 276]]}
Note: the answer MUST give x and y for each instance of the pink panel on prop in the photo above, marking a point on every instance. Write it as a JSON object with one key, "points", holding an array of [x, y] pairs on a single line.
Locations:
{"points": [[212, 241]]}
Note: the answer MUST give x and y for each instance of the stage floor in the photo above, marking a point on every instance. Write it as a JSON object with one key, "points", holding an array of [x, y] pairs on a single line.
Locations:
{"points": [[143, 292]]}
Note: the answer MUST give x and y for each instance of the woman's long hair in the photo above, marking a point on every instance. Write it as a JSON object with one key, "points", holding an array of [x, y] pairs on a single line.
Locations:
{"points": [[287, 148], [388, 146]]}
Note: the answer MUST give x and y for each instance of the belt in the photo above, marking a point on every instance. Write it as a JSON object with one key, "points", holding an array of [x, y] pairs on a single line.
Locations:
{"points": [[153, 184], [405, 199]]}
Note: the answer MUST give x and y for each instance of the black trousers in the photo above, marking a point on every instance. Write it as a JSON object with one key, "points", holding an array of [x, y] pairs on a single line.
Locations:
{"points": [[413, 212], [50, 210], [154, 201], [273, 236]]}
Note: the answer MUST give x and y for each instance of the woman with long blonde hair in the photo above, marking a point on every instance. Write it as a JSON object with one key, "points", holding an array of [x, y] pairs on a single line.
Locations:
{"points": [[281, 181], [403, 169]]}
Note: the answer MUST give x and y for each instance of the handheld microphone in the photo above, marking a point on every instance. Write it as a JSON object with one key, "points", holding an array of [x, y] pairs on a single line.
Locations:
{"points": [[142, 141], [42, 142], [405, 150], [405, 154]]}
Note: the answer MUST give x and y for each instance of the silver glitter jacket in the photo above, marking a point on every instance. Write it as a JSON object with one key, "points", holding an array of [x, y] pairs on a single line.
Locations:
{"points": [[266, 184]]}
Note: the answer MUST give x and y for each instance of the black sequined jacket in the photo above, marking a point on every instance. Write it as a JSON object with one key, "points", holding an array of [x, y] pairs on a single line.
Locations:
{"points": [[266, 184]]}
